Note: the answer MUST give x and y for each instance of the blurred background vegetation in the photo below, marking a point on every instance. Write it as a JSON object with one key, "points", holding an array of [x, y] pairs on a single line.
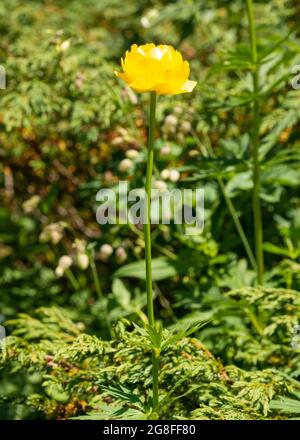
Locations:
{"points": [[68, 127]]}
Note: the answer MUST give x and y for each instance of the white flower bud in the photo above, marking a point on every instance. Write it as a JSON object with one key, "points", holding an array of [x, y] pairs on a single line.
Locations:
{"points": [[82, 261], [132, 154], [65, 262], [146, 19], [165, 150], [125, 165], [118, 140], [174, 175], [165, 174], [145, 22], [65, 45], [56, 236], [194, 153], [171, 121], [160, 185], [153, 13], [59, 272], [121, 254], [177, 110], [105, 251], [185, 127]]}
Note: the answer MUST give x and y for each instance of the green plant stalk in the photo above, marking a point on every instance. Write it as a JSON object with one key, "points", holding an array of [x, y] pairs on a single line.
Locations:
{"points": [[147, 233], [258, 227], [237, 223], [72, 279], [234, 216]]}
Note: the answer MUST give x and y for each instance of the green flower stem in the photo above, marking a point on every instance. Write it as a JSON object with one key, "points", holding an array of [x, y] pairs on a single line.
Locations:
{"points": [[258, 228], [72, 279], [147, 233], [68, 272], [147, 226]]}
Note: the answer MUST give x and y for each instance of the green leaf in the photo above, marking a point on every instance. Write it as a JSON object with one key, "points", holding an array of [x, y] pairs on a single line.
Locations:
{"points": [[161, 269], [121, 292]]}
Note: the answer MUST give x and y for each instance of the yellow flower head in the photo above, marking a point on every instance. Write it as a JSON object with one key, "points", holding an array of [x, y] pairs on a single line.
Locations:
{"points": [[159, 69]]}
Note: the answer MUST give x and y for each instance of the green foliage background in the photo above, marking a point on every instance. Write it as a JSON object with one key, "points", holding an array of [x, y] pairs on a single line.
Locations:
{"points": [[66, 123]]}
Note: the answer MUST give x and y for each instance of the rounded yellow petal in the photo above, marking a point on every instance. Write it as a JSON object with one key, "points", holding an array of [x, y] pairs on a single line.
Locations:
{"points": [[156, 68]]}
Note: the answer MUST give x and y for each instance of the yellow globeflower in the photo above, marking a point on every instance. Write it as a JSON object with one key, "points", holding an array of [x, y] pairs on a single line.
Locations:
{"points": [[159, 69]]}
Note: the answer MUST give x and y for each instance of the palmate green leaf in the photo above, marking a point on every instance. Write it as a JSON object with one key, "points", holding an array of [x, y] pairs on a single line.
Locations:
{"points": [[182, 330], [161, 269], [125, 395], [284, 175], [270, 48], [154, 335], [241, 181], [238, 58], [210, 168]]}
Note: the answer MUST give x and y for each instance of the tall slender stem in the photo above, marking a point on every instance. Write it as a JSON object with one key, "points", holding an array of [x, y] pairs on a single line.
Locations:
{"points": [[258, 228], [147, 226], [147, 233], [234, 214], [237, 223]]}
